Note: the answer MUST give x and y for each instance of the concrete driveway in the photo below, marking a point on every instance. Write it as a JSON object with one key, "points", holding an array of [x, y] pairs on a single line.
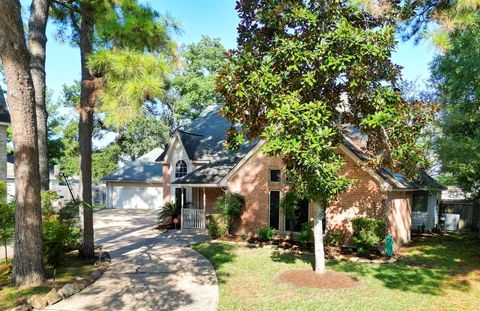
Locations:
{"points": [[148, 271]]}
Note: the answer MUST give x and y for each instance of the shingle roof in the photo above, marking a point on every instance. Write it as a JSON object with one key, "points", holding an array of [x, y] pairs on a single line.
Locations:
{"points": [[143, 169], [354, 139], [204, 140]]}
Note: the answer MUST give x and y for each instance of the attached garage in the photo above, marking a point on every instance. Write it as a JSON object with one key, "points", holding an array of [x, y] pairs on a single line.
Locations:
{"points": [[136, 195], [137, 185]]}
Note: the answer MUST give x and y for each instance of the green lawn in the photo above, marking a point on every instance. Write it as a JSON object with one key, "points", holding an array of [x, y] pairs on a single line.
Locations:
{"points": [[71, 267], [438, 273]]}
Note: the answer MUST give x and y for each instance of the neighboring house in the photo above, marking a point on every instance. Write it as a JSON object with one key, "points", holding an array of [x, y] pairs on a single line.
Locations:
{"points": [[197, 169], [4, 123], [138, 184]]}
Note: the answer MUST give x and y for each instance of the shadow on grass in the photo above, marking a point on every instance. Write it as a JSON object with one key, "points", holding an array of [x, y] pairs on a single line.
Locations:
{"points": [[428, 266], [291, 258], [218, 254]]}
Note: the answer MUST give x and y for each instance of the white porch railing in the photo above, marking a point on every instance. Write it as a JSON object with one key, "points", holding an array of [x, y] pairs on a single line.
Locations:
{"points": [[193, 218]]}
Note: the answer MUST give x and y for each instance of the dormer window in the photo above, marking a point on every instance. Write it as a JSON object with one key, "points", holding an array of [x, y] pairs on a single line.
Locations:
{"points": [[180, 169]]}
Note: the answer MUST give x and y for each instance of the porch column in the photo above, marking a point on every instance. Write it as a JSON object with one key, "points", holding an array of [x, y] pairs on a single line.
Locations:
{"points": [[204, 208], [181, 209], [204, 200]]}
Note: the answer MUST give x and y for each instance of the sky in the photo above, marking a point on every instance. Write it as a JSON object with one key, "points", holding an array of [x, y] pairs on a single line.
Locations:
{"points": [[218, 19]]}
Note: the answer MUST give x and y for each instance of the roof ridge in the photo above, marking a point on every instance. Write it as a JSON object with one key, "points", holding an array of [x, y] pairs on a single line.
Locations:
{"points": [[189, 133]]}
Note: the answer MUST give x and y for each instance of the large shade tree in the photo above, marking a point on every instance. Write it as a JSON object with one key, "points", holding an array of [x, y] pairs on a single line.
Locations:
{"points": [[37, 41], [28, 263], [118, 33], [301, 71], [456, 76]]}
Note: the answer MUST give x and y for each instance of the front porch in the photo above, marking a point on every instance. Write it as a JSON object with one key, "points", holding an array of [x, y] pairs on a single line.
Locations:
{"points": [[196, 204]]}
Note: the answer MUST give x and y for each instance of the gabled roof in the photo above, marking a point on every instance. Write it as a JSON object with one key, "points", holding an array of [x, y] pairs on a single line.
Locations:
{"points": [[204, 140], [143, 169]]}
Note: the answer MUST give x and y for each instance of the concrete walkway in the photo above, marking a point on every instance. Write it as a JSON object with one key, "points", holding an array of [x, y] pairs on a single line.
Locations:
{"points": [[148, 271]]}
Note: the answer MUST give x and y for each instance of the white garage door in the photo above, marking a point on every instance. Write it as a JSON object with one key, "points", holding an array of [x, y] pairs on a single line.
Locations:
{"points": [[137, 196]]}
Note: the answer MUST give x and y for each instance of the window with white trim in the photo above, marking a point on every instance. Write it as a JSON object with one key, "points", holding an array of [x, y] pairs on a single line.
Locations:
{"points": [[180, 169], [275, 176]]}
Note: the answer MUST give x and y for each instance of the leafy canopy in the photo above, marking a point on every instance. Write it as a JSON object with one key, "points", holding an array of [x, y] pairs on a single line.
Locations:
{"points": [[456, 76], [194, 82], [302, 70]]}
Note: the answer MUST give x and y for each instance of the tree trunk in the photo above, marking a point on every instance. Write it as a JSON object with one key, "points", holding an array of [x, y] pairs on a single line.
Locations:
{"points": [[318, 236], [6, 253], [37, 41], [28, 263], [85, 129]]}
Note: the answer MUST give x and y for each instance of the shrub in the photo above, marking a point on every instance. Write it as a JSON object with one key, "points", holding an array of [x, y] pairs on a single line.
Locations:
{"points": [[306, 234], [334, 238], [216, 227], [7, 218], [368, 233], [266, 234], [47, 199], [168, 212], [57, 236], [230, 205], [70, 212]]}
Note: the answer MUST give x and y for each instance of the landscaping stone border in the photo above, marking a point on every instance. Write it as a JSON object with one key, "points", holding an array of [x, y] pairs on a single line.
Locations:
{"points": [[38, 302]]}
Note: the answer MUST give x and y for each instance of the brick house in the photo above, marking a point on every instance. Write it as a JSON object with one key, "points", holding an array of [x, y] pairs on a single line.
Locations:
{"points": [[4, 123], [196, 169]]}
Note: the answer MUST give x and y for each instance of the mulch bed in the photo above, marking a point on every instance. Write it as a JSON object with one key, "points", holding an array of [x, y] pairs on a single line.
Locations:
{"points": [[309, 279]]}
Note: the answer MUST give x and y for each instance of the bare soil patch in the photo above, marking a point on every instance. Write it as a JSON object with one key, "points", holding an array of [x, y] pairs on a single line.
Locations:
{"points": [[308, 278]]}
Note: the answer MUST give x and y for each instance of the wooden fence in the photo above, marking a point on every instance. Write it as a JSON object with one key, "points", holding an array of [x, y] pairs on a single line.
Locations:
{"points": [[468, 210]]}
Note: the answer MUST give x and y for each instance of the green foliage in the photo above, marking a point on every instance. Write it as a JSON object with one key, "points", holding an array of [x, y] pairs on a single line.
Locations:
{"points": [[130, 78], [266, 234], [448, 16], [304, 69], [368, 233], [7, 217], [47, 199], [306, 233], [105, 161], [216, 226], [70, 212], [289, 205], [230, 205], [455, 74], [334, 238], [195, 81], [168, 212], [141, 135], [58, 237]]}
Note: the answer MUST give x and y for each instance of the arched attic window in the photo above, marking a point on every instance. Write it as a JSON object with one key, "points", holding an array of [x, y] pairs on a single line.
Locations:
{"points": [[180, 169]]}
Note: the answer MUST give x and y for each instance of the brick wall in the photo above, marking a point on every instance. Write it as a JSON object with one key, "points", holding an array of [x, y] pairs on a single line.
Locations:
{"points": [[253, 182], [3, 152], [166, 183], [363, 199], [399, 216], [211, 197]]}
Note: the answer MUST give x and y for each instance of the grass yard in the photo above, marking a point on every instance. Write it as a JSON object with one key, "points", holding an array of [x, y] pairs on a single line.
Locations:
{"points": [[435, 273], [71, 267]]}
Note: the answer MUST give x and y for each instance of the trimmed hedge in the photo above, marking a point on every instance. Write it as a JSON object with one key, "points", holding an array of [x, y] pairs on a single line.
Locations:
{"points": [[368, 233]]}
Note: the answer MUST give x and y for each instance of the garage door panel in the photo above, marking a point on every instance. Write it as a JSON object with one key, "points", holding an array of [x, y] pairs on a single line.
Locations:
{"points": [[137, 197]]}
